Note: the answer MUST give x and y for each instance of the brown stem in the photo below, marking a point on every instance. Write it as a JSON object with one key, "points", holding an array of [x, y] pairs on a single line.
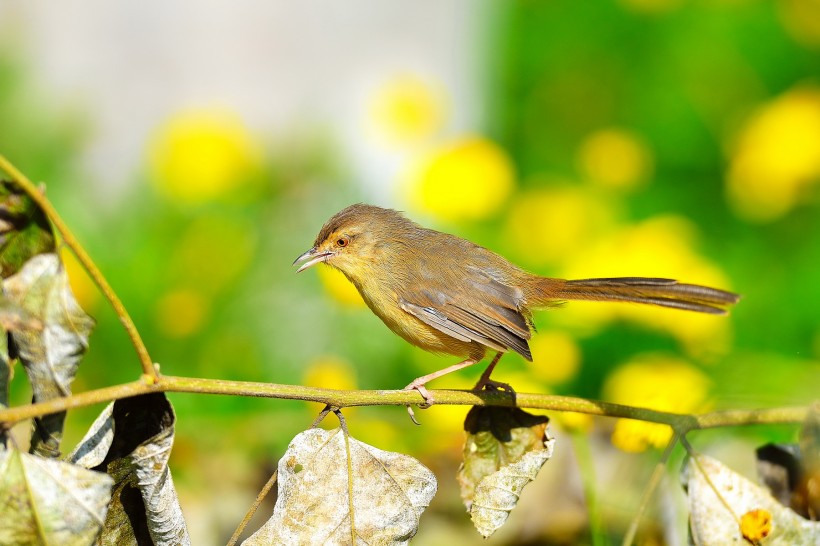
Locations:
{"points": [[252, 510], [40, 199]]}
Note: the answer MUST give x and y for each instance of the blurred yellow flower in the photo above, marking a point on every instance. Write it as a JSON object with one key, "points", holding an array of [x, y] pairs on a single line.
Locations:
{"points": [[615, 158], [801, 18], [330, 372], [84, 289], [203, 154], [212, 252], [656, 382], [181, 312], [407, 109], [339, 288], [556, 357], [470, 179], [547, 225], [662, 246], [777, 156]]}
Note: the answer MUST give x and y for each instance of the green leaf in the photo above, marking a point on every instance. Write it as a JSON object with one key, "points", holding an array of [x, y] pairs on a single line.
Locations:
{"points": [[334, 489], [50, 353], [50, 502], [24, 229], [131, 440], [504, 450]]}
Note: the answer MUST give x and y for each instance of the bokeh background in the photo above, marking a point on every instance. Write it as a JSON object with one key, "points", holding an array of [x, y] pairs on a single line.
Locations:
{"points": [[197, 148]]}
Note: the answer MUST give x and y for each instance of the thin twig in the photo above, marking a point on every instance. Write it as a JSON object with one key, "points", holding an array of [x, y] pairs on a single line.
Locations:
{"points": [[341, 399], [40, 199], [254, 507]]}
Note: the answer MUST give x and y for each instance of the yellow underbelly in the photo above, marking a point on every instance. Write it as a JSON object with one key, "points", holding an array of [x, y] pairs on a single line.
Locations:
{"points": [[413, 330]]}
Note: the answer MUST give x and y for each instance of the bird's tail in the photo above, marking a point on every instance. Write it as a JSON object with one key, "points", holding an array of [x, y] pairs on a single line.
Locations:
{"points": [[652, 291]]}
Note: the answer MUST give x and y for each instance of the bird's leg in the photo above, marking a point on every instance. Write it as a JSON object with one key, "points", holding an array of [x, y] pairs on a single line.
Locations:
{"points": [[485, 381], [419, 382]]}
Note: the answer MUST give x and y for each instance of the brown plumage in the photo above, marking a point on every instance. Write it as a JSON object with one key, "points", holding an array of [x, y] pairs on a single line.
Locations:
{"points": [[448, 295]]}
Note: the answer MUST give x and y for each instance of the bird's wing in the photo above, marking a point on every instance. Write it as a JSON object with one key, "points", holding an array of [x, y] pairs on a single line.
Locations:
{"points": [[477, 308]]}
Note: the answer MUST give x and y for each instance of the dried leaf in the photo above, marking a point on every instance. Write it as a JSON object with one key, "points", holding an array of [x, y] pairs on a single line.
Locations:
{"points": [[50, 502], [132, 440], [24, 229], [505, 449], [722, 504], [12, 317], [496, 437], [334, 489], [52, 353]]}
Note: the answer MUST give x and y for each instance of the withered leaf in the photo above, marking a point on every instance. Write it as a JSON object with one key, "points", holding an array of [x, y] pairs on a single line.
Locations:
{"points": [[131, 440], [334, 489], [504, 450], [50, 502], [721, 503], [50, 353]]}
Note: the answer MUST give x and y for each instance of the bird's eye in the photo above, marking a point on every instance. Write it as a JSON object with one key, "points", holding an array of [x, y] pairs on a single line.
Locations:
{"points": [[342, 241]]}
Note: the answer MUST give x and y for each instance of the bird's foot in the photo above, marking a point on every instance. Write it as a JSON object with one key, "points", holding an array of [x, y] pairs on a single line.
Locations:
{"points": [[485, 383], [422, 390]]}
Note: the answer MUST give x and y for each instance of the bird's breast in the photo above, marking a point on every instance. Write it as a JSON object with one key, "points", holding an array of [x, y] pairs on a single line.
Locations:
{"points": [[383, 297]]}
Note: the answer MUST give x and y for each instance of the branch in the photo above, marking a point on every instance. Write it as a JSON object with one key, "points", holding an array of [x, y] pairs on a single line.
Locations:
{"points": [[681, 423], [40, 199]]}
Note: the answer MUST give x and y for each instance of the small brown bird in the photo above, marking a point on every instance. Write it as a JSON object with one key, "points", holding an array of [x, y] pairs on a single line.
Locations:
{"points": [[448, 295]]}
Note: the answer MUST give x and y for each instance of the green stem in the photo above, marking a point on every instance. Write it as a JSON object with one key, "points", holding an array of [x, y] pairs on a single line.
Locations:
{"points": [[40, 199]]}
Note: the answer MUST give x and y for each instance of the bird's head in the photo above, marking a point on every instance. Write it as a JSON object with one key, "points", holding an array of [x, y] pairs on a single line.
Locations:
{"points": [[355, 239]]}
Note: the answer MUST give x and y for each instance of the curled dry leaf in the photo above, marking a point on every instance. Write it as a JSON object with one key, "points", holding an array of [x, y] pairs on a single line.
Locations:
{"points": [[504, 450], [50, 502], [131, 440], [723, 505], [50, 353], [334, 489]]}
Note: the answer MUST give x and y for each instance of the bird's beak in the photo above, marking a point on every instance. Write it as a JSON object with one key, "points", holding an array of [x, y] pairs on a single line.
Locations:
{"points": [[311, 257]]}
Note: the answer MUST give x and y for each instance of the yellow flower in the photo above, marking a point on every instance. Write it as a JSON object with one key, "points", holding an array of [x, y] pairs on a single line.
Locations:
{"points": [[182, 312], [658, 247], [330, 372], [616, 159], [655, 382], [777, 156], [339, 288], [408, 109], [547, 225], [470, 179], [202, 155], [556, 357]]}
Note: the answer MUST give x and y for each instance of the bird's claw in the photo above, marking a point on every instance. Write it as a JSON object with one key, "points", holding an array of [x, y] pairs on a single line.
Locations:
{"points": [[428, 399]]}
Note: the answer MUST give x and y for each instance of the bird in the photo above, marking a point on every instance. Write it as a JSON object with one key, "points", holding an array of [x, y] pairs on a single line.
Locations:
{"points": [[450, 296]]}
